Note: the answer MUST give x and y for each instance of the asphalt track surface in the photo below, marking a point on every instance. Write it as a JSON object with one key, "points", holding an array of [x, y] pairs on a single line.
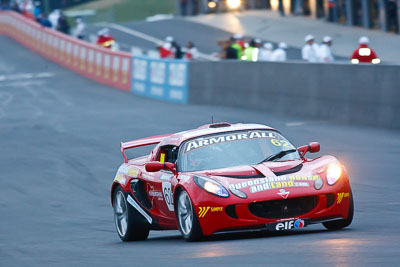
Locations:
{"points": [[59, 140]]}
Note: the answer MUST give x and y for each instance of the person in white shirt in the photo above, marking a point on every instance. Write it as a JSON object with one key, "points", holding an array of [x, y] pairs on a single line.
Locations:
{"points": [[53, 17], [279, 54], [310, 50], [79, 30], [265, 52], [325, 53], [191, 51]]}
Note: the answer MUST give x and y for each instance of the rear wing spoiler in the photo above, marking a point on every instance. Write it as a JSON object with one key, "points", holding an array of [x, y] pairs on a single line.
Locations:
{"points": [[142, 142]]}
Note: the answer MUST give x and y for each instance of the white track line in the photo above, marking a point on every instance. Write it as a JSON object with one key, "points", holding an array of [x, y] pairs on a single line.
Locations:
{"points": [[146, 37]]}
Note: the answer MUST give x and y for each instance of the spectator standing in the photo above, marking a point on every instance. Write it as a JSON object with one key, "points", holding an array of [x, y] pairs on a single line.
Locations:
{"points": [[280, 53], [177, 49], [227, 51], [63, 25], [251, 52], [104, 39], [310, 50], [238, 44], [281, 9], [364, 54], [15, 7], [53, 17], [4, 5], [392, 14], [28, 9], [325, 52], [167, 50], [79, 29], [43, 21], [37, 10], [192, 52], [266, 52], [183, 5]]}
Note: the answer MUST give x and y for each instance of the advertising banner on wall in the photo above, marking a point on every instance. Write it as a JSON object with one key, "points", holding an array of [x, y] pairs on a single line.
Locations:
{"points": [[164, 79]]}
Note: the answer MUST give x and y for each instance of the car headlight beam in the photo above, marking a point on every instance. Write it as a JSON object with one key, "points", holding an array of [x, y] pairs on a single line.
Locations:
{"points": [[211, 186], [333, 173]]}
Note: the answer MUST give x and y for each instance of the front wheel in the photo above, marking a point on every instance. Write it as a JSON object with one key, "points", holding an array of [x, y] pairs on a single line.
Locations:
{"points": [[129, 228], [187, 220], [339, 224]]}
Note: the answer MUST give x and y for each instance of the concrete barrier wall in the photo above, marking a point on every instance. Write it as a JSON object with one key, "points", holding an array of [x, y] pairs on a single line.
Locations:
{"points": [[362, 94]]}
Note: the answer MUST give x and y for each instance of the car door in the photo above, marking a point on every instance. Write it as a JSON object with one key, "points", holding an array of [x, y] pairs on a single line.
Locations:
{"points": [[162, 187]]}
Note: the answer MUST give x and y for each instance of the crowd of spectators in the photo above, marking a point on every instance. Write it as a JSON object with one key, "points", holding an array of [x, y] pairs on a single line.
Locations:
{"points": [[172, 49], [236, 48], [56, 19]]}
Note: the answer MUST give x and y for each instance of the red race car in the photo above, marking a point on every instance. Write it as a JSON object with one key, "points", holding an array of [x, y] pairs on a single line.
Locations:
{"points": [[222, 177]]}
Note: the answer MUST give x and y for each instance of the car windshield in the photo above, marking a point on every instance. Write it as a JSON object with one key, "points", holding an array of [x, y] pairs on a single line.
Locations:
{"points": [[234, 149]]}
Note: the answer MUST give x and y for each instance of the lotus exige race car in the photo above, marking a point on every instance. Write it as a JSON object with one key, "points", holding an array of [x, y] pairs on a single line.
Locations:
{"points": [[223, 177]]}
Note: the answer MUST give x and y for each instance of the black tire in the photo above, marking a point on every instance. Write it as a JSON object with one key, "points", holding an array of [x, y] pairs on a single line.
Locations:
{"points": [[195, 233], [339, 224], [136, 229]]}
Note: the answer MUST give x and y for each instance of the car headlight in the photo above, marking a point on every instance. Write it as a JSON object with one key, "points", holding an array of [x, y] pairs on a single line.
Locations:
{"points": [[211, 186], [238, 193], [333, 173]]}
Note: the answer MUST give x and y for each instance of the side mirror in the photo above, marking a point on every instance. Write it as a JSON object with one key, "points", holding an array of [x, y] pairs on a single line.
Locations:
{"points": [[312, 147], [155, 166]]}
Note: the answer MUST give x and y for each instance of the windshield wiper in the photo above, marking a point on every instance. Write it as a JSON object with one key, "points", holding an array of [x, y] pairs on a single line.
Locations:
{"points": [[278, 155]]}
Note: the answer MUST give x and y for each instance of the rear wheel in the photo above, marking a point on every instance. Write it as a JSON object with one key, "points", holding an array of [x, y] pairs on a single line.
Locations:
{"points": [[187, 220], [339, 224], [129, 228]]}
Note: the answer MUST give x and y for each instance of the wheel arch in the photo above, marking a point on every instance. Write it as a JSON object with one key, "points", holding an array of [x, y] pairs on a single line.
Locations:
{"points": [[177, 191], [113, 188]]}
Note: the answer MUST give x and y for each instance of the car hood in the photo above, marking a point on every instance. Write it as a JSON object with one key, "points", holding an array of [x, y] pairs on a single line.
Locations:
{"points": [[265, 169], [267, 180]]}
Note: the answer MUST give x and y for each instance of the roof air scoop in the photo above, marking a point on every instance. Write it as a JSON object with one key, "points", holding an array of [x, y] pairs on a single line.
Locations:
{"points": [[216, 125]]}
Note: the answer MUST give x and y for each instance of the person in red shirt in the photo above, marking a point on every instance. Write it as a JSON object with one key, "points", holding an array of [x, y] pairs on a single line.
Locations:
{"points": [[167, 50], [364, 54], [104, 38]]}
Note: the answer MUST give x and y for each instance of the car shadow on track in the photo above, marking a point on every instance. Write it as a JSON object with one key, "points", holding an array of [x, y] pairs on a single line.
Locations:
{"points": [[227, 236]]}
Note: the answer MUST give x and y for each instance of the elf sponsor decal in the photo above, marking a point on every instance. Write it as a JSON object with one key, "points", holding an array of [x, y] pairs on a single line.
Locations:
{"points": [[167, 191], [287, 225], [226, 138], [204, 210], [267, 183], [340, 197]]}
